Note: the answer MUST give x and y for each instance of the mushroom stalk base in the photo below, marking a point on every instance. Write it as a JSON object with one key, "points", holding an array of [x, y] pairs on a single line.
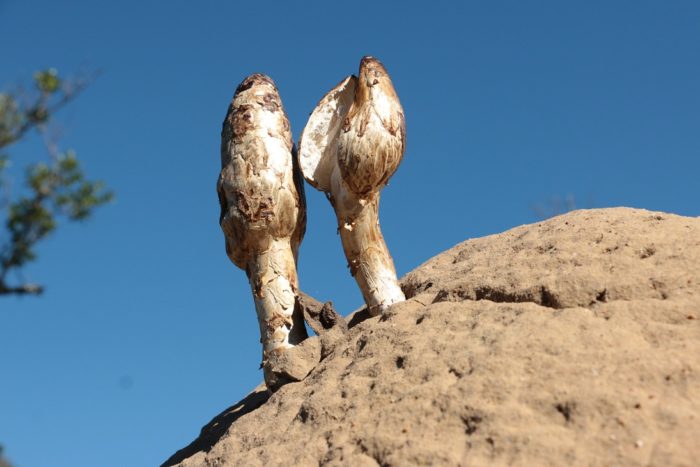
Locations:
{"points": [[369, 259], [273, 280]]}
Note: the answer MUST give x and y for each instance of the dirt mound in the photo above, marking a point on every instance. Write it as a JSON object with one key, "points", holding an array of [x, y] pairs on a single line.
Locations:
{"points": [[573, 341]]}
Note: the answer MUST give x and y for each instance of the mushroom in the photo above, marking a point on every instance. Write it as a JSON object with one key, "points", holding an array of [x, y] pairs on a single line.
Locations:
{"points": [[352, 144], [263, 210]]}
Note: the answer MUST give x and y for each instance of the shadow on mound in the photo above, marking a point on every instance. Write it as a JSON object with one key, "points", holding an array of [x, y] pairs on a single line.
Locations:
{"points": [[212, 432]]}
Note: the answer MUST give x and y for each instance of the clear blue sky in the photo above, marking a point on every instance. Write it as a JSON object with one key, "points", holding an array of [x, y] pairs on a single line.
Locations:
{"points": [[146, 330]]}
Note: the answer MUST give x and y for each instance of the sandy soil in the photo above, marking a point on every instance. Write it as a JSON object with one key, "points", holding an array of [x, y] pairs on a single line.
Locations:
{"points": [[574, 341]]}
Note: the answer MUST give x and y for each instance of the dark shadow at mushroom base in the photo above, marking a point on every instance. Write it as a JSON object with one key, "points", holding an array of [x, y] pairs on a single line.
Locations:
{"points": [[215, 429], [357, 317]]}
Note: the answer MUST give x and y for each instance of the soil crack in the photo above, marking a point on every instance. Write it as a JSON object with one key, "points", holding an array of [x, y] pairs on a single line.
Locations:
{"points": [[540, 295]]}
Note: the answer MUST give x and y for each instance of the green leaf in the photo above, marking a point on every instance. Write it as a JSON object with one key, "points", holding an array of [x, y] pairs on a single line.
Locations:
{"points": [[47, 81], [10, 119]]}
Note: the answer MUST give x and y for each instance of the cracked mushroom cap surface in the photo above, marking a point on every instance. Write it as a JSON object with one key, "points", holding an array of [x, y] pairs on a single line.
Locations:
{"points": [[373, 138], [261, 198]]}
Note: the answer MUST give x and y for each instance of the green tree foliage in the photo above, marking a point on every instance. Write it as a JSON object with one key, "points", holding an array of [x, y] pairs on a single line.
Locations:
{"points": [[52, 189]]}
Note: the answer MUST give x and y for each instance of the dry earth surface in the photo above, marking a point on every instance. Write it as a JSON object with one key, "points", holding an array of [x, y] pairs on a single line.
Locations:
{"points": [[574, 341]]}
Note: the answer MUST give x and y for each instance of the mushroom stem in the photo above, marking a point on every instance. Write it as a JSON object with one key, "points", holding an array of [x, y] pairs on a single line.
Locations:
{"points": [[273, 280], [365, 249], [369, 260]]}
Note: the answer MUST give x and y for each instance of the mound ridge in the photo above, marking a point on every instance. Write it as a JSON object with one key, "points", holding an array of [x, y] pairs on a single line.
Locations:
{"points": [[573, 341]]}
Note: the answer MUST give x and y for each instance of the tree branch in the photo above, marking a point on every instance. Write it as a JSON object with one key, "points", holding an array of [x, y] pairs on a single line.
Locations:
{"points": [[67, 96], [56, 188], [24, 289]]}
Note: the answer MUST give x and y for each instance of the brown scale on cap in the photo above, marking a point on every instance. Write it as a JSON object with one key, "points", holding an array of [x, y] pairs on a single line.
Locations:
{"points": [[373, 139]]}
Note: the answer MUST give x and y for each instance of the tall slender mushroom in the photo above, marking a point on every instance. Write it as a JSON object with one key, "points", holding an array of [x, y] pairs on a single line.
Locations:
{"points": [[352, 144], [263, 209]]}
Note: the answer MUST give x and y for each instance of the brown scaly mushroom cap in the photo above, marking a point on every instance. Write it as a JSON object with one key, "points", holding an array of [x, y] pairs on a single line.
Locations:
{"points": [[373, 136], [261, 197]]}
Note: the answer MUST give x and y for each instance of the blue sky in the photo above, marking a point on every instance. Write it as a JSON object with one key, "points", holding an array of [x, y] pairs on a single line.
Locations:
{"points": [[146, 330]]}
